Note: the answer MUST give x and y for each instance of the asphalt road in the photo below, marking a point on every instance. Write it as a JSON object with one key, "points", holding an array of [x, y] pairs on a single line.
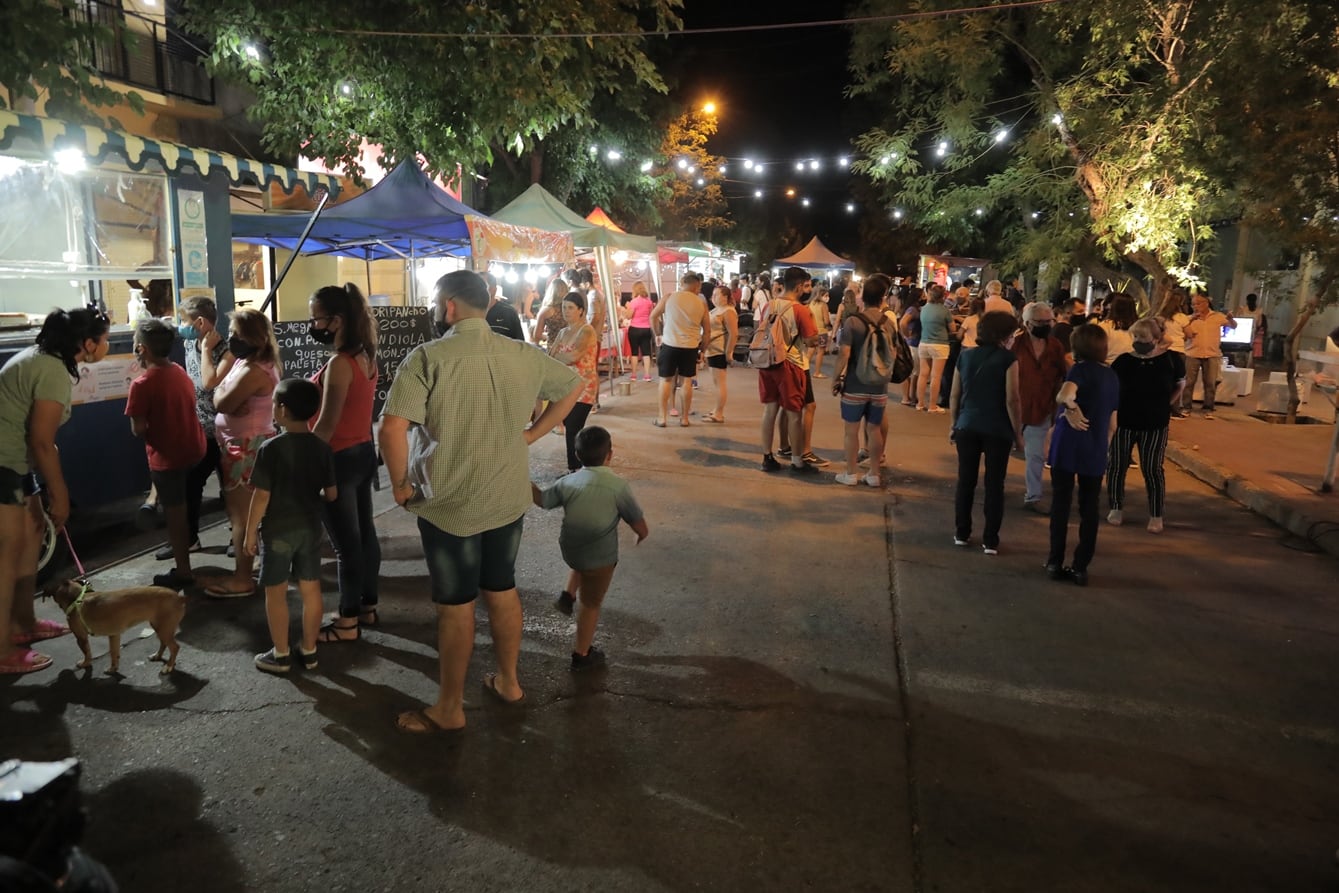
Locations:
{"points": [[810, 688]]}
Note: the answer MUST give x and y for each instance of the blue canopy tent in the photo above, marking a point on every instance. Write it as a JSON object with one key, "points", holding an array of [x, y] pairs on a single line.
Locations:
{"points": [[405, 216]]}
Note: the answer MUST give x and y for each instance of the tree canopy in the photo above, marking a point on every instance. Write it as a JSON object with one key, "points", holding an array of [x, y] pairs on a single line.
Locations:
{"points": [[1084, 133], [455, 81], [696, 208], [46, 53]]}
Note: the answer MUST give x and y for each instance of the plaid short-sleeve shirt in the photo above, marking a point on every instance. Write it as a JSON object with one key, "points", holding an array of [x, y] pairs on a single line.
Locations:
{"points": [[474, 390]]}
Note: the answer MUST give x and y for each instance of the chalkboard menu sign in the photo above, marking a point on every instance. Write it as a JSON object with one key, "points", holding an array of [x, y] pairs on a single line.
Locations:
{"points": [[399, 330]]}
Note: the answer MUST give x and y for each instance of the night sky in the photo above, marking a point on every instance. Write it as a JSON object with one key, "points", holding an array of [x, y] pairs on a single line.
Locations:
{"points": [[780, 99]]}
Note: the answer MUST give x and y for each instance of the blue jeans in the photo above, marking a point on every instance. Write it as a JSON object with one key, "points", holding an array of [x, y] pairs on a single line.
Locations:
{"points": [[348, 521]]}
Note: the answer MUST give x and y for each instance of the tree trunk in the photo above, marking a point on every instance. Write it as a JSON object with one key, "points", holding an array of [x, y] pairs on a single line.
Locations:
{"points": [[537, 163], [1290, 354]]}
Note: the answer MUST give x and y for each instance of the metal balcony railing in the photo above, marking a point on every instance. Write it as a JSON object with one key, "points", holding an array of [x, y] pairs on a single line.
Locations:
{"points": [[143, 52]]}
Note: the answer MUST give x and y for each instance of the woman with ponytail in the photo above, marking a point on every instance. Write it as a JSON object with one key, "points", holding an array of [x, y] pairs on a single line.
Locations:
{"points": [[35, 390], [341, 319]]}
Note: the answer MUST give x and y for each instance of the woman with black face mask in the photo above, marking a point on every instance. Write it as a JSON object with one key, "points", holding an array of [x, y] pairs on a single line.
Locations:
{"points": [[340, 318], [245, 419], [1151, 380]]}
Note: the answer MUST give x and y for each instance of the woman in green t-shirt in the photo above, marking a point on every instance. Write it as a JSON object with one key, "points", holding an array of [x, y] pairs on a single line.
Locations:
{"points": [[35, 388]]}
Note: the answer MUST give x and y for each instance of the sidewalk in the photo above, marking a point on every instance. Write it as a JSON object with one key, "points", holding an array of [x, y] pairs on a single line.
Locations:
{"points": [[1272, 469]]}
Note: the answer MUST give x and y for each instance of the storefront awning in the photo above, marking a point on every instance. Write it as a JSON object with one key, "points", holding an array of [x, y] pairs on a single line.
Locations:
{"points": [[97, 143]]}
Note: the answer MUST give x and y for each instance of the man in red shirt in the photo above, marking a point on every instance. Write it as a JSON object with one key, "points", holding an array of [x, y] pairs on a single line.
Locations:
{"points": [[1041, 372], [785, 387], [161, 407]]}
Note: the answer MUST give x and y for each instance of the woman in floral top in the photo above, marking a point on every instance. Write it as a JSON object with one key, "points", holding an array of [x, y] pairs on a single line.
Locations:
{"points": [[577, 346]]}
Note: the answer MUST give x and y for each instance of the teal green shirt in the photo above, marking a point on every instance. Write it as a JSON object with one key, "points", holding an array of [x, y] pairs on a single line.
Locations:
{"points": [[30, 375], [594, 500]]}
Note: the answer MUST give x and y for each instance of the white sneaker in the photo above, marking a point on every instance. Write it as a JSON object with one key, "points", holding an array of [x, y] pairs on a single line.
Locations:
{"points": [[989, 551], [958, 541], [849, 480], [873, 480], [1115, 517], [1155, 525]]}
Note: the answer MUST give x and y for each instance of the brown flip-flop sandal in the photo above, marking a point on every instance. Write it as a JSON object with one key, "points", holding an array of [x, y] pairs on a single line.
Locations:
{"points": [[490, 689], [418, 722]]}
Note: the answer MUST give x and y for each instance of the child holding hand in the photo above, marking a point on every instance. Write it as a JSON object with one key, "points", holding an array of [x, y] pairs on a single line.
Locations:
{"points": [[594, 499], [294, 471]]}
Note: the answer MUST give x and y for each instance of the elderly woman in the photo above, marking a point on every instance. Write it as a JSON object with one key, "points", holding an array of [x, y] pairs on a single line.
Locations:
{"points": [[987, 420], [1151, 379], [576, 345], [35, 393], [937, 327], [1079, 448], [245, 404]]}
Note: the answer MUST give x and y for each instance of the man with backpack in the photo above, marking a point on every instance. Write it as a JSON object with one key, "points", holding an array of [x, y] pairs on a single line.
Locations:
{"points": [[778, 351], [864, 368]]}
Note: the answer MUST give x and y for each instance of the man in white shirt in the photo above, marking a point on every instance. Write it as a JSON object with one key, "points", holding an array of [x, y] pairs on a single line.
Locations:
{"points": [[995, 300], [683, 322], [1204, 350]]}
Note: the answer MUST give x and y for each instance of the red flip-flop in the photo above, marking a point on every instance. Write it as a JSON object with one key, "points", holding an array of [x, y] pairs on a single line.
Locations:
{"points": [[24, 661], [42, 630]]}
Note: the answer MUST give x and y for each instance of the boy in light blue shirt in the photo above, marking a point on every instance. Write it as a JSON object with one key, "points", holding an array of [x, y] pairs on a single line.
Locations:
{"points": [[594, 500]]}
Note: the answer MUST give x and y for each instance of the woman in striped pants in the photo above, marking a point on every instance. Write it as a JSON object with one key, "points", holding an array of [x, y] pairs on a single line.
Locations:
{"points": [[1151, 380]]}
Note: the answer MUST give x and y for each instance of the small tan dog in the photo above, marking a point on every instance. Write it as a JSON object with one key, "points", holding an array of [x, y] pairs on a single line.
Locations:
{"points": [[111, 613]]}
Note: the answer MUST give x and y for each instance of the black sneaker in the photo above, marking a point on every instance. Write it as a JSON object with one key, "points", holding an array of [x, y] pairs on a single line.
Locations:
{"points": [[805, 469], [769, 463], [306, 658], [269, 662], [565, 602], [812, 458], [591, 660], [784, 452]]}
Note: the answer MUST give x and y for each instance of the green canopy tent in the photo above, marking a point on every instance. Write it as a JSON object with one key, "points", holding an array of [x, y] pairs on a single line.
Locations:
{"points": [[540, 209]]}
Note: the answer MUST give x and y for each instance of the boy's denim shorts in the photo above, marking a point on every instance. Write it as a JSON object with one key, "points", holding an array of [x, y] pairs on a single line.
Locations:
{"points": [[290, 552]]}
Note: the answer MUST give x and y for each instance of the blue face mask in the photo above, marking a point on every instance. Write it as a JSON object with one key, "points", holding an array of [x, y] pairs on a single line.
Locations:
{"points": [[188, 332]]}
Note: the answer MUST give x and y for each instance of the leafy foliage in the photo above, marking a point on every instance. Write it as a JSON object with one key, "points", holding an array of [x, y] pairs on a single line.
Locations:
{"points": [[1086, 133], [46, 52], [453, 99], [697, 208]]}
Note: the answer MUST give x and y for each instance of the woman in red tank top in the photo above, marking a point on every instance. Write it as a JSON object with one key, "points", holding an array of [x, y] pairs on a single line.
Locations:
{"points": [[340, 318]]}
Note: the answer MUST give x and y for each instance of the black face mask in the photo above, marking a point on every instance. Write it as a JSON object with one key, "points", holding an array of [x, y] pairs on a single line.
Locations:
{"points": [[240, 348], [1041, 331], [441, 326], [1143, 347], [321, 336]]}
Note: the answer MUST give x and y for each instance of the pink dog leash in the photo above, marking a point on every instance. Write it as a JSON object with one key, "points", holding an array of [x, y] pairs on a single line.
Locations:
{"points": [[73, 554]]}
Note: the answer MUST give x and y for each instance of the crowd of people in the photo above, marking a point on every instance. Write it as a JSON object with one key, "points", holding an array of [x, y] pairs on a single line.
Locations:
{"points": [[1070, 390]]}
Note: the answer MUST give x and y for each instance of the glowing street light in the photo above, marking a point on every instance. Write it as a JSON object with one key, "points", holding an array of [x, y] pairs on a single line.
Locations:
{"points": [[709, 108], [722, 170], [897, 214], [980, 211], [799, 165], [843, 161], [850, 208], [692, 168], [748, 164], [790, 193], [1057, 119], [804, 202], [757, 193], [252, 52], [594, 150], [814, 165], [701, 182], [683, 164], [884, 161], [614, 155], [1001, 136], [646, 167], [942, 149]]}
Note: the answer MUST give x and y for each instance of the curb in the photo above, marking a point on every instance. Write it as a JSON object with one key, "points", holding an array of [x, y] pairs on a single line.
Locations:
{"points": [[1244, 493]]}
